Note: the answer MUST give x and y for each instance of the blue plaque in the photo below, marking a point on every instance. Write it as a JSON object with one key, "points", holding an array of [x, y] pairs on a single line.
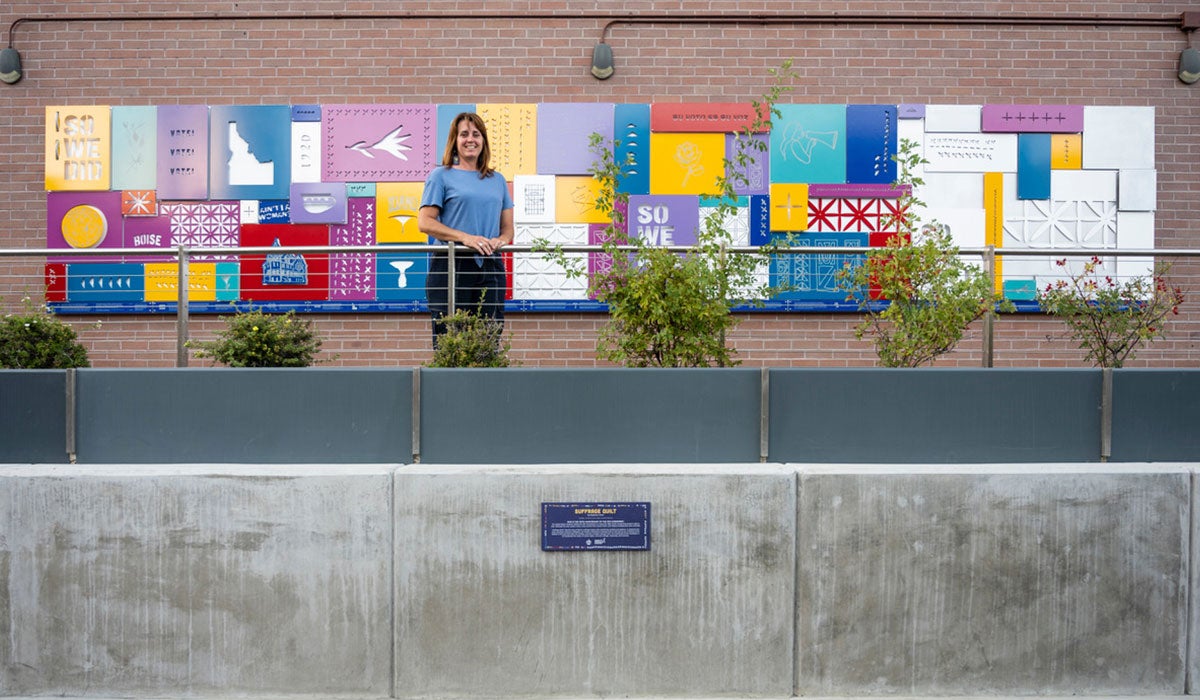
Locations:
{"points": [[595, 526]]}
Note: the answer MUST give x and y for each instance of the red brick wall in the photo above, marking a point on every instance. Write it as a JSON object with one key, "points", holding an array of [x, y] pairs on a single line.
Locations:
{"points": [[529, 59]]}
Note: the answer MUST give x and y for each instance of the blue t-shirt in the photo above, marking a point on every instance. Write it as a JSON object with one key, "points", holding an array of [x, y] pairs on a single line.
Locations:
{"points": [[467, 202]]}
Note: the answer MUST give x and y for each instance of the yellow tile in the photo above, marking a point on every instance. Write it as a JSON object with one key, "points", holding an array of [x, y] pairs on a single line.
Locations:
{"points": [[162, 281], [575, 200], [993, 207], [512, 137], [1066, 151], [789, 207], [78, 148], [686, 163], [396, 205]]}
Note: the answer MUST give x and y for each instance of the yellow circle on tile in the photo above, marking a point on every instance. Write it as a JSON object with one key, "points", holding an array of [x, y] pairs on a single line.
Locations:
{"points": [[84, 226]]}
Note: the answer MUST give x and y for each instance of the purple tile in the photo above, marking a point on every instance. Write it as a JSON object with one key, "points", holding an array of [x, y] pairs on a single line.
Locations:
{"points": [[1057, 119], [664, 219], [182, 152], [83, 221], [378, 143], [318, 203], [564, 135], [863, 190], [148, 232], [352, 275], [910, 111], [758, 165]]}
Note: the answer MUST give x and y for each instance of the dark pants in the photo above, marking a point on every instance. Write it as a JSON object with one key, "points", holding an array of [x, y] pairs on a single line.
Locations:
{"points": [[477, 288]]}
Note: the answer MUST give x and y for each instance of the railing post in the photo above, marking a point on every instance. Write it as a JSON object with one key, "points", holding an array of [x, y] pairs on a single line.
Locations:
{"points": [[181, 314], [1106, 413], [450, 269], [70, 417], [989, 316]]}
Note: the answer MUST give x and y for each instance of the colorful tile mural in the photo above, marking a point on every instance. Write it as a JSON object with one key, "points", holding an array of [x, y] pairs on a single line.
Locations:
{"points": [[124, 178]]}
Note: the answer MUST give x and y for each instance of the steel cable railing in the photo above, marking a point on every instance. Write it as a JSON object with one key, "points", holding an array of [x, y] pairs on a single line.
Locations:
{"points": [[186, 257]]}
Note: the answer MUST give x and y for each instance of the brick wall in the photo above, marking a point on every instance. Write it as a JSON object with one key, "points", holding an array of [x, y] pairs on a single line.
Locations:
{"points": [[527, 57]]}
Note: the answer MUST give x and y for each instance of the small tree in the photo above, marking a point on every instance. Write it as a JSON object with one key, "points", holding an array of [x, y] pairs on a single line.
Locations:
{"points": [[35, 339], [257, 339], [668, 309], [1112, 319], [916, 293], [470, 340]]}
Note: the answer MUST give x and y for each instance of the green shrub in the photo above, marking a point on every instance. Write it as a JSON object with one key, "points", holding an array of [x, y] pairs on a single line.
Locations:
{"points": [[930, 293], [37, 340], [470, 340], [668, 309], [257, 339], [1110, 319]]}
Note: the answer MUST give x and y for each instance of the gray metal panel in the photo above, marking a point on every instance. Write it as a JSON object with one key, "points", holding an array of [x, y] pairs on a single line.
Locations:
{"points": [[1156, 414], [536, 416], [904, 416], [33, 416], [248, 416]]}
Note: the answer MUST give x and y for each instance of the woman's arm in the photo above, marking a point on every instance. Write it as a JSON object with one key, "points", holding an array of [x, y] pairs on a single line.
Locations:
{"points": [[429, 224]]}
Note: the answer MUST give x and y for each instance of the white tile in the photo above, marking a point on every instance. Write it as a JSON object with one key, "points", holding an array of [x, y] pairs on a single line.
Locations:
{"points": [[248, 211], [533, 198], [951, 190], [970, 153], [1135, 230], [306, 151], [968, 227], [1137, 190], [1118, 137], [966, 118], [1090, 185]]}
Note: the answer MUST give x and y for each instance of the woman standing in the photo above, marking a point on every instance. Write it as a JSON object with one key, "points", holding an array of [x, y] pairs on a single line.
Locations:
{"points": [[467, 202]]}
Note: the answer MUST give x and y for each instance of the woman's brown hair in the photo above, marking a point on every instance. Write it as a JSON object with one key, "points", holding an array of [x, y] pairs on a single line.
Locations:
{"points": [[450, 156]]}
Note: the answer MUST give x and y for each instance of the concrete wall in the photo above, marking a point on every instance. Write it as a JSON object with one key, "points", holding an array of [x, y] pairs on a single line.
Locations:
{"points": [[761, 581]]}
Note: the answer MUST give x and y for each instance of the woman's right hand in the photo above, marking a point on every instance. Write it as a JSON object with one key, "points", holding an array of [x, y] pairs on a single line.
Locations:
{"points": [[481, 245]]}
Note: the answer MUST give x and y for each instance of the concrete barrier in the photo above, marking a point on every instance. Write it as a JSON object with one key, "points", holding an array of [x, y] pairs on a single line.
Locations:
{"points": [[1045, 580], [153, 581], [482, 611], [761, 581]]}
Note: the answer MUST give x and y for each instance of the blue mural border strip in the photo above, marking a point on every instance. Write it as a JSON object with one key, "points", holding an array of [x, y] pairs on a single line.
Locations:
{"points": [[419, 307]]}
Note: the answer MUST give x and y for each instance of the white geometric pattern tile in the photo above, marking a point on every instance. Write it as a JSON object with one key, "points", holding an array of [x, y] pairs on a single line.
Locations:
{"points": [[204, 225], [738, 226], [537, 277], [1060, 225]]}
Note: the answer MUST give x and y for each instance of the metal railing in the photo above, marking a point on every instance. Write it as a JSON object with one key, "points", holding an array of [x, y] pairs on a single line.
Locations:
{"points": [[185, 255]]}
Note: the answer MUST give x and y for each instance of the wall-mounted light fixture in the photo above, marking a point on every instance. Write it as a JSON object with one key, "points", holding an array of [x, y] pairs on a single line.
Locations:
{"points": [[1189, 58], [10, 65], [602, 65]]}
